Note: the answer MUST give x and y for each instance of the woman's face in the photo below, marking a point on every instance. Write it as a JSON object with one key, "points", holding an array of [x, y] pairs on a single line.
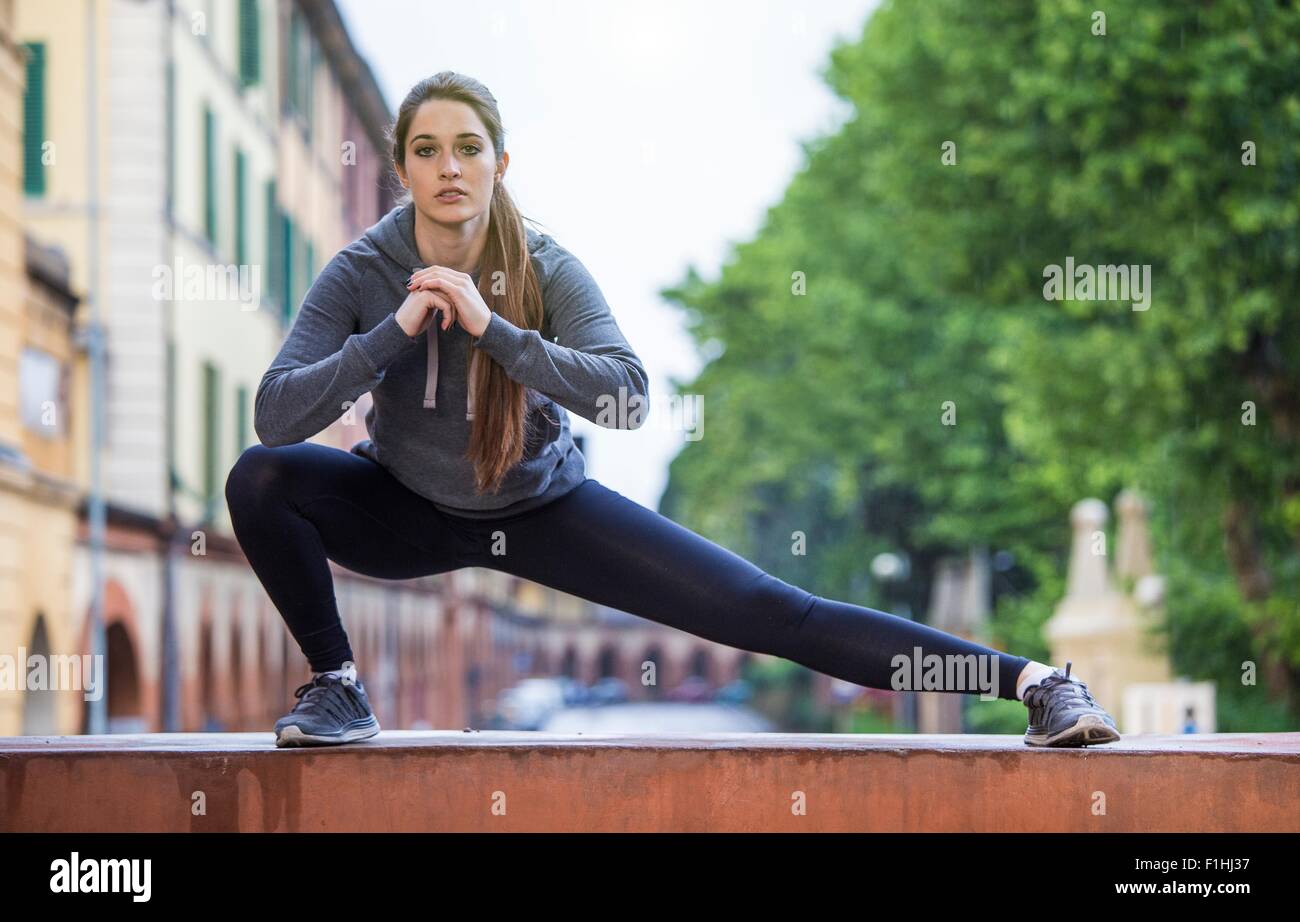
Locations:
{"points": [[447, 145]]}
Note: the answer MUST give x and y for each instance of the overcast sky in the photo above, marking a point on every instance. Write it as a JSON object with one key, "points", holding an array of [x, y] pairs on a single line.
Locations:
{"points": [[644, 137]]}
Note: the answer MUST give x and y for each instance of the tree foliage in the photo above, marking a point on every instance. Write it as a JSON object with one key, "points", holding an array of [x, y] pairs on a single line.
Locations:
{"points": [[923, 290]]}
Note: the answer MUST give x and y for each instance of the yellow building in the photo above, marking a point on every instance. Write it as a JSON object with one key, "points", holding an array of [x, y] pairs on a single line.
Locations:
{"points": [[38, 494]]}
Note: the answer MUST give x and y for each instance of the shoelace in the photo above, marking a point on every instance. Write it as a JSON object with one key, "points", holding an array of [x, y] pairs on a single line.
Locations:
{"points": [[319, 693], [1067, 688]]}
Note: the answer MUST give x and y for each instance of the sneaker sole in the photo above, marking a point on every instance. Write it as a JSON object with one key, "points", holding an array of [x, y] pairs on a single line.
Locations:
{"points": [[1088, 730], [293, 735]]}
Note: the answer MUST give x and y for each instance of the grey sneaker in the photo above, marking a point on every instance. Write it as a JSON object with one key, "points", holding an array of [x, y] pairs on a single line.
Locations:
{"points": [[1062, 712], [330, 710]]}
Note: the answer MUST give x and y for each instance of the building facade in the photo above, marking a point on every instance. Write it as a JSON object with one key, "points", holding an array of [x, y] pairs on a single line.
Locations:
{"points": [[174, 174]]}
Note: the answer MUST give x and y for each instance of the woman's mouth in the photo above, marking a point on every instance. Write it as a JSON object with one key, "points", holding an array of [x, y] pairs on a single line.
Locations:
{"points": [[450, 197]]}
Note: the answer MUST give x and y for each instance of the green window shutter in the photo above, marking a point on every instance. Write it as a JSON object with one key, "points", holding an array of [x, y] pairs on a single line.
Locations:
{"points": [[300, 67], [34, 120], [271, 271], [241, 418], [287, 277], [211, 428], [241, 210], [209, 175], [250, 43], [171, 138]]}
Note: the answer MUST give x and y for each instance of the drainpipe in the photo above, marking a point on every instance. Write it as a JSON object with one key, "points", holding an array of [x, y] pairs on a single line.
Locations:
{"points": [[98, 713], [171, 684]]}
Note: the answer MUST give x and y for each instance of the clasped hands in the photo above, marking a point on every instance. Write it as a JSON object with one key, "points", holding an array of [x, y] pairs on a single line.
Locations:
{"points": [[455, 294]]}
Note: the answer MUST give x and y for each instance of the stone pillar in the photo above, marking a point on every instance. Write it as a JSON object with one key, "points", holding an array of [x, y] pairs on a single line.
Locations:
{"points": [[1133, 543], [1107, 625]]}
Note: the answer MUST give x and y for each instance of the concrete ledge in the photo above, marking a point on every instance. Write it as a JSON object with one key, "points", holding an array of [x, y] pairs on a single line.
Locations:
{"points": [[477, 781]]}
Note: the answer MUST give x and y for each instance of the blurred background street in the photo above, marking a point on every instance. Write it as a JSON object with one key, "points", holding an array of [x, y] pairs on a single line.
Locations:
{"points": [[841, 230]]}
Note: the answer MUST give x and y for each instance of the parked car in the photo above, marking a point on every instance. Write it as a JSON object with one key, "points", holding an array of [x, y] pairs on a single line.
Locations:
{"points": [[525, 705], [575, 692], [608, 690], [656, 717]]}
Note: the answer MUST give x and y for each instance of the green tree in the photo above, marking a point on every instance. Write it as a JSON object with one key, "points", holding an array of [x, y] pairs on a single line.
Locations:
{"points": [[987, 143]]}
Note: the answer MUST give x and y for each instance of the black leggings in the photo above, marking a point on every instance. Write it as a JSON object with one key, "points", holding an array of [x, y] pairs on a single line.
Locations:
{"points": [[295, 506]]}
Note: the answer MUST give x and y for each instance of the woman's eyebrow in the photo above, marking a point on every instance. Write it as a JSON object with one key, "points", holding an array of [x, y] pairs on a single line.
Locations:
{"points": [[463, 134]]}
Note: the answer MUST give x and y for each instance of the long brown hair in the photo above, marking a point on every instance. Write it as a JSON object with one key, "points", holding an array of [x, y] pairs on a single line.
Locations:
{"points": [[497, 436]]}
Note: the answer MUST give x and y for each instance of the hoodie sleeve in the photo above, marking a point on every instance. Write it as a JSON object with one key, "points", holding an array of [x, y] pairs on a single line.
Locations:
{"points": [[591, 361], [324, 363]]}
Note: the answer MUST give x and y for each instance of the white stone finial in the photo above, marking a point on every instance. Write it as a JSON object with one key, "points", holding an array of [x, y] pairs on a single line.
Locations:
{"points": [[1133, 543], [1088, 574]]}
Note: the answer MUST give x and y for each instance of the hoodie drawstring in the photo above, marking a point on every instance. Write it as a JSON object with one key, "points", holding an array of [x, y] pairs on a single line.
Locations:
{"points": [[431, 371], [394, 236]]}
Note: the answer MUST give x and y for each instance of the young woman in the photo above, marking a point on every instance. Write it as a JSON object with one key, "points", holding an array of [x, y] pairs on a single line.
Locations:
{"points": [[470, 460]]}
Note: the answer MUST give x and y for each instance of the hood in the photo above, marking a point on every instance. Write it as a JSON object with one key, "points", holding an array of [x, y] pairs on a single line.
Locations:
{"points": [[393, 235]]}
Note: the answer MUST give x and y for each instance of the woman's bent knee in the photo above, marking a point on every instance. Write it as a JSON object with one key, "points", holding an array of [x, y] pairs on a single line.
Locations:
{"points": [[254, 475]]}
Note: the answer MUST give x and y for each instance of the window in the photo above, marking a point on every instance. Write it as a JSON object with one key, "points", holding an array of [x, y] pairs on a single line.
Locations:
{"points": [[241, 210], [286, 268], [271, 271], [40, 390], [211, 430], [241, 418], [34, 120], [250, 43], [300, 66], [209, 175], [171, 138]]}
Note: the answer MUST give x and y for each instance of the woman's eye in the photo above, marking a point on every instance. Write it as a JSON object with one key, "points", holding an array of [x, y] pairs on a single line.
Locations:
{"points": [[423, 151]]}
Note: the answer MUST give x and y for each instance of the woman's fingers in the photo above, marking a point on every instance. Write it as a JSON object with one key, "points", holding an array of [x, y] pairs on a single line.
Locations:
{"points": [[443, 303], [436, 301], [455, 288], [441, 291]]}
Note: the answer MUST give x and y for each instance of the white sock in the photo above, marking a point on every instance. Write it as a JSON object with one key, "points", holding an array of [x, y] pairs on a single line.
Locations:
{"points": [[347, 670], [1034, 673]]}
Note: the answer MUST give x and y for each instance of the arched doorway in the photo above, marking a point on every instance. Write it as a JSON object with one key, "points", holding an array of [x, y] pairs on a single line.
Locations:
{"points": [[40, 713], [607, 662], [236, 702], [702, 665], [125, 703], [208, 720], [655, 655], [569, 663], [125, 707]]}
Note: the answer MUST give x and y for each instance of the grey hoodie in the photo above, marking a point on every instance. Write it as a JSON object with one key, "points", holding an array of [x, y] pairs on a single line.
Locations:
{"points": [[346, 341]]}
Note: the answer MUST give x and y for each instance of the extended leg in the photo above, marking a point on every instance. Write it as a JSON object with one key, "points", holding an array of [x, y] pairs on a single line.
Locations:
{"points": [[599, 545]]}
